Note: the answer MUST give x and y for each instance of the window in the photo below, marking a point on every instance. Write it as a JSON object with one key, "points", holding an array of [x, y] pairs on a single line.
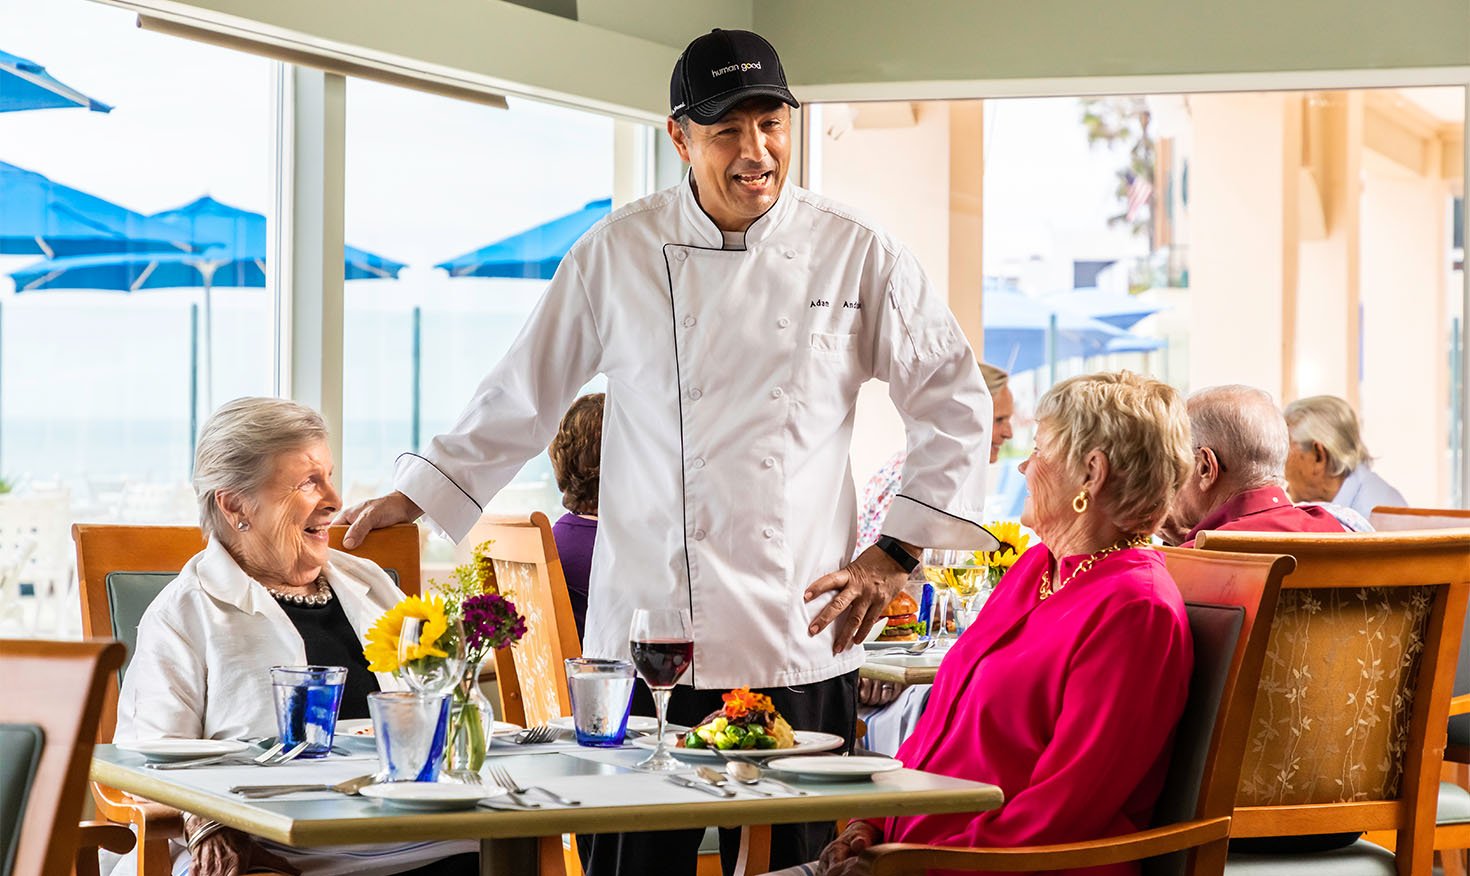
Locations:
{"points": [[96, 386], [430, 179]]}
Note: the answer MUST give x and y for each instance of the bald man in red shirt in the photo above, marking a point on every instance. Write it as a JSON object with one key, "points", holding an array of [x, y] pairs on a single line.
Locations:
{"points": [[1240, 444]]}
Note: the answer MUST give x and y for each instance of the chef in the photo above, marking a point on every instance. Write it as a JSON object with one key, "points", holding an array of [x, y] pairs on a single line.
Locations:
{"points": [[735, 317]]}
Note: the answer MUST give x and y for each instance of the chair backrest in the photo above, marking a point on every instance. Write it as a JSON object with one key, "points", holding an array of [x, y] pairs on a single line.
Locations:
{"points": [[1358, 669], [531, 676], [48, 721], [1386, 518], [1230, 599], [123, 568]]}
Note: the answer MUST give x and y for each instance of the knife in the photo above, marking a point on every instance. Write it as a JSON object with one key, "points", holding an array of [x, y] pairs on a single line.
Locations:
{"points": [[686, 782]]}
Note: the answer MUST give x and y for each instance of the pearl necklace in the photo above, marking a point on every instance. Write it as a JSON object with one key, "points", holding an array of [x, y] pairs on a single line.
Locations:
{"points": [[322, 596], [1045, 591]]}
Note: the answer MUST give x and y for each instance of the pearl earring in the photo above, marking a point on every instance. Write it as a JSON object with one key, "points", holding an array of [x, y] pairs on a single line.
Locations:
{"points": [[242, 525]]}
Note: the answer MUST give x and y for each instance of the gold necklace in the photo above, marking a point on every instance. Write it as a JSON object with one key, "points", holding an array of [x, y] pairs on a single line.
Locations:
{"points": [[1046, 590]]}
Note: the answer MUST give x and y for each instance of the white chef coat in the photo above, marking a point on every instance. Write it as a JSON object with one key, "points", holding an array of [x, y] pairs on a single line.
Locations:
{"points": [[202, 671], [732, 379]]}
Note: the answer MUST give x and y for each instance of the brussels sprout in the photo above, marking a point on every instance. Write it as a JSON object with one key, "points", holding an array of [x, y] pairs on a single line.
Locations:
{"points": [[765, 742], [750, 742], [693, 740]]}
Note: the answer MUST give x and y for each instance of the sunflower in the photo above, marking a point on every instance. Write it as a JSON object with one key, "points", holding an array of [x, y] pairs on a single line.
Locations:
{"points": [[1013, 543], [381, 650]]}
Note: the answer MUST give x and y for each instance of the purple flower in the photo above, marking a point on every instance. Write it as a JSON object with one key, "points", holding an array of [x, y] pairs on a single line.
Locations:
{"points": [[491, 621]]}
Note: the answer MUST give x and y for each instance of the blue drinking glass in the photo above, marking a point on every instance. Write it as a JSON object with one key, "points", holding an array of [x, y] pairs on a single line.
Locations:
{"points": [[410, 729], [602, 697], [307, 699]]}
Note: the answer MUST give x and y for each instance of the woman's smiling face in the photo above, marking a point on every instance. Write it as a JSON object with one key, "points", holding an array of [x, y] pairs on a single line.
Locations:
{"points": [[286, 541]]}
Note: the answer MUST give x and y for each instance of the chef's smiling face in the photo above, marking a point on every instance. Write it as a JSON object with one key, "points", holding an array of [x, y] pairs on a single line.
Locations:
{"points": [[740, 162]]}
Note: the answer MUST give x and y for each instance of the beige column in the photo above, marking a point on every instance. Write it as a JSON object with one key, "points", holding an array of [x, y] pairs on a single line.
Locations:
{"points": [[966, 217], [1327, 326], [1242, 174]]}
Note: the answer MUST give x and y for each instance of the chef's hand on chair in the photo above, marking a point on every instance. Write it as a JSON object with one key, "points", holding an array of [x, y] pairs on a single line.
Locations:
{"points": [[865, 585], [376, 514]]}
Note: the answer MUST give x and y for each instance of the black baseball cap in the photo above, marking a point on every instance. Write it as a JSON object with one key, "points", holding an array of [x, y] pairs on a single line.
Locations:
{"points": [[722, 68]]}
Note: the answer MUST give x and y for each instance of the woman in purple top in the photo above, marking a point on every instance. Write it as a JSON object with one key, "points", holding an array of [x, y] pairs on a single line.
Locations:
{"points": [[576, 458]]}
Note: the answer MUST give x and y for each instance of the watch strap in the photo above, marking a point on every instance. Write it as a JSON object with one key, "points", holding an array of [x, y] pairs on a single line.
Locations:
{"points": [[894, 549]]}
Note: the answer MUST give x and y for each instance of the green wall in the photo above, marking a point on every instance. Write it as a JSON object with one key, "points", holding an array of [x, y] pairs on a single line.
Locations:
{"points": [[861, 41]]}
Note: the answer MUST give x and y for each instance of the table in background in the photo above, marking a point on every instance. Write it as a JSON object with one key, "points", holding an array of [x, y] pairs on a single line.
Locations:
{"points": [[509, 839]]}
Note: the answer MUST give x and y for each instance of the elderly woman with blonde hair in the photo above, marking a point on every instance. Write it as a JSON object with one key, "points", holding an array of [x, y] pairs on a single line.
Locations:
{"points": [[1327, 460], [1039, 696], [265, 591]]}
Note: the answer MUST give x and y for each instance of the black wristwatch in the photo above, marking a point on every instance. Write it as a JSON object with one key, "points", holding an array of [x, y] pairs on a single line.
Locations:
{"points": [[895, 549]]}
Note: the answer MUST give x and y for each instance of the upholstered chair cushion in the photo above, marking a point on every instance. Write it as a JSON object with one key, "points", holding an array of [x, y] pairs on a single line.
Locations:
{"points": [[1362, 858], [1454, 804], [20, 753], [1330, 722], [129, 594]]}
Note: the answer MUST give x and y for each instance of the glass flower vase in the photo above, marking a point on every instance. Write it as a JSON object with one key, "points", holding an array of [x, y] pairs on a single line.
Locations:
{"points": [[470, 720]]}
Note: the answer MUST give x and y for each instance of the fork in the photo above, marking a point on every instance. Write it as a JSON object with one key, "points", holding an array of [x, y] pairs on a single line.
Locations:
{"points": [[538, 734], [264, 759], [285, 758], [504, 780]]}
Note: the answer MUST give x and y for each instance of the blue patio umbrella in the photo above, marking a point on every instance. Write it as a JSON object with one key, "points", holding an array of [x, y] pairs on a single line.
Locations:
{"points": [[39, 216], [235, 258], [1022, 333], [1117, 309], [532, 254], [25, 85]]}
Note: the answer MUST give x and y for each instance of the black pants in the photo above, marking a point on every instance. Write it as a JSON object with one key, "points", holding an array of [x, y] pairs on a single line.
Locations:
{"points": [[827, 706]]}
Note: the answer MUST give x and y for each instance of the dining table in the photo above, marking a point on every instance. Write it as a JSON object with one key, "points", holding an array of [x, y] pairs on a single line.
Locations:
{"points": [[613, 798], [899, 668]]}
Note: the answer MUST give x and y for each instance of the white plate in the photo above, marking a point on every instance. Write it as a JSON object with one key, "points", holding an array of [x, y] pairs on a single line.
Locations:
{"points": [[431, 796], [505, 728], [166, 750], [636, 723], [877, 628], [807, 742], [354, 727], [833, 767], [928, 658]]}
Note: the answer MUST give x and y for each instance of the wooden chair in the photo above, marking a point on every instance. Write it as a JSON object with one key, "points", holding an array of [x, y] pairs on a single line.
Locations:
{"points": [[48, 721], [531, 677], [1230, 599], [1452, 831], [1348, 731], [121, 569]]}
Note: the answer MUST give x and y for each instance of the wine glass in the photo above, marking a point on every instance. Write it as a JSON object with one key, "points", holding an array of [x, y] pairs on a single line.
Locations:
{"points": [[663, 647], [431, 675], [952, 572]]}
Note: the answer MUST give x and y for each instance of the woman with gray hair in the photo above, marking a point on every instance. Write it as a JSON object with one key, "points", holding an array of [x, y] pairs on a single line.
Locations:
{"points": [[1327, 460], [266, 591]]}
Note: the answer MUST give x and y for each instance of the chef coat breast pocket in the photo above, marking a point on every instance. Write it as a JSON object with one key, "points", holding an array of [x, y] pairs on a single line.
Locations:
{"points": [[834, 361], [834, 344]]}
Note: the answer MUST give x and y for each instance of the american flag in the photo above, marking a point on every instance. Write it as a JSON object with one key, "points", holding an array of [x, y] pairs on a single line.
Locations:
{"points": [[1139, 191]]}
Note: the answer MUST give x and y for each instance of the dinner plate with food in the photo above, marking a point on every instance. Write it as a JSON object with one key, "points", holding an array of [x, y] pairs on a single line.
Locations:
{"points": [[747, 725]]}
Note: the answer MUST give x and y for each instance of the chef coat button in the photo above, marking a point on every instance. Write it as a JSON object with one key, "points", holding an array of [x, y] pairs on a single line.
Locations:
{"points": [[695, 393], [776, 393], [768, 532], [689, 322], [783, 322], [769, 461], [681, 255], [790, 253], [699, 462], [699, 535]]}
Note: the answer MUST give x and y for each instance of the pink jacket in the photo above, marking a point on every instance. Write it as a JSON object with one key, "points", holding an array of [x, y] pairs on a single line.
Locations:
{"points": [[1069, 705]]}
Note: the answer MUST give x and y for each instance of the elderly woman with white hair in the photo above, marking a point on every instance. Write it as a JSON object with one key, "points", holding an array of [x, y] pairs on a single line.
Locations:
{"points": [[265, 591], [1327, 460]]}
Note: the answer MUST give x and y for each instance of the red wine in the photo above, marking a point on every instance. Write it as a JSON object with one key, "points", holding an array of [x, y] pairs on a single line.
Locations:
{"points": [[662, 661]]}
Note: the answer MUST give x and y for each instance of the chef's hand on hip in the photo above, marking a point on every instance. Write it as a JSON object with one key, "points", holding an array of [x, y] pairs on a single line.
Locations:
{"points": [[376, 514], [864, 586]]}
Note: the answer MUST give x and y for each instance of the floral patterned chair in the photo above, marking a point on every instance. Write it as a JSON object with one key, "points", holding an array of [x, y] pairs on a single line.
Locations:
{"points": [[1348, 728]]}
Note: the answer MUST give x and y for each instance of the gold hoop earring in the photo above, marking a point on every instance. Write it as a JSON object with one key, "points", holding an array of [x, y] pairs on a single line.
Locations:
{"points": [[1079, 504]]}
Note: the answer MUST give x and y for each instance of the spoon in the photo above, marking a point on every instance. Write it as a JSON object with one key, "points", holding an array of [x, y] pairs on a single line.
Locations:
{"points": [[719, 780], [918, 647], [747, 773]]}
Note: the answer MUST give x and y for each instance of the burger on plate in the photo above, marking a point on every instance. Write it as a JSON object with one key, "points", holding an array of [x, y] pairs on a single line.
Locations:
{"points": [[903, 620]]}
